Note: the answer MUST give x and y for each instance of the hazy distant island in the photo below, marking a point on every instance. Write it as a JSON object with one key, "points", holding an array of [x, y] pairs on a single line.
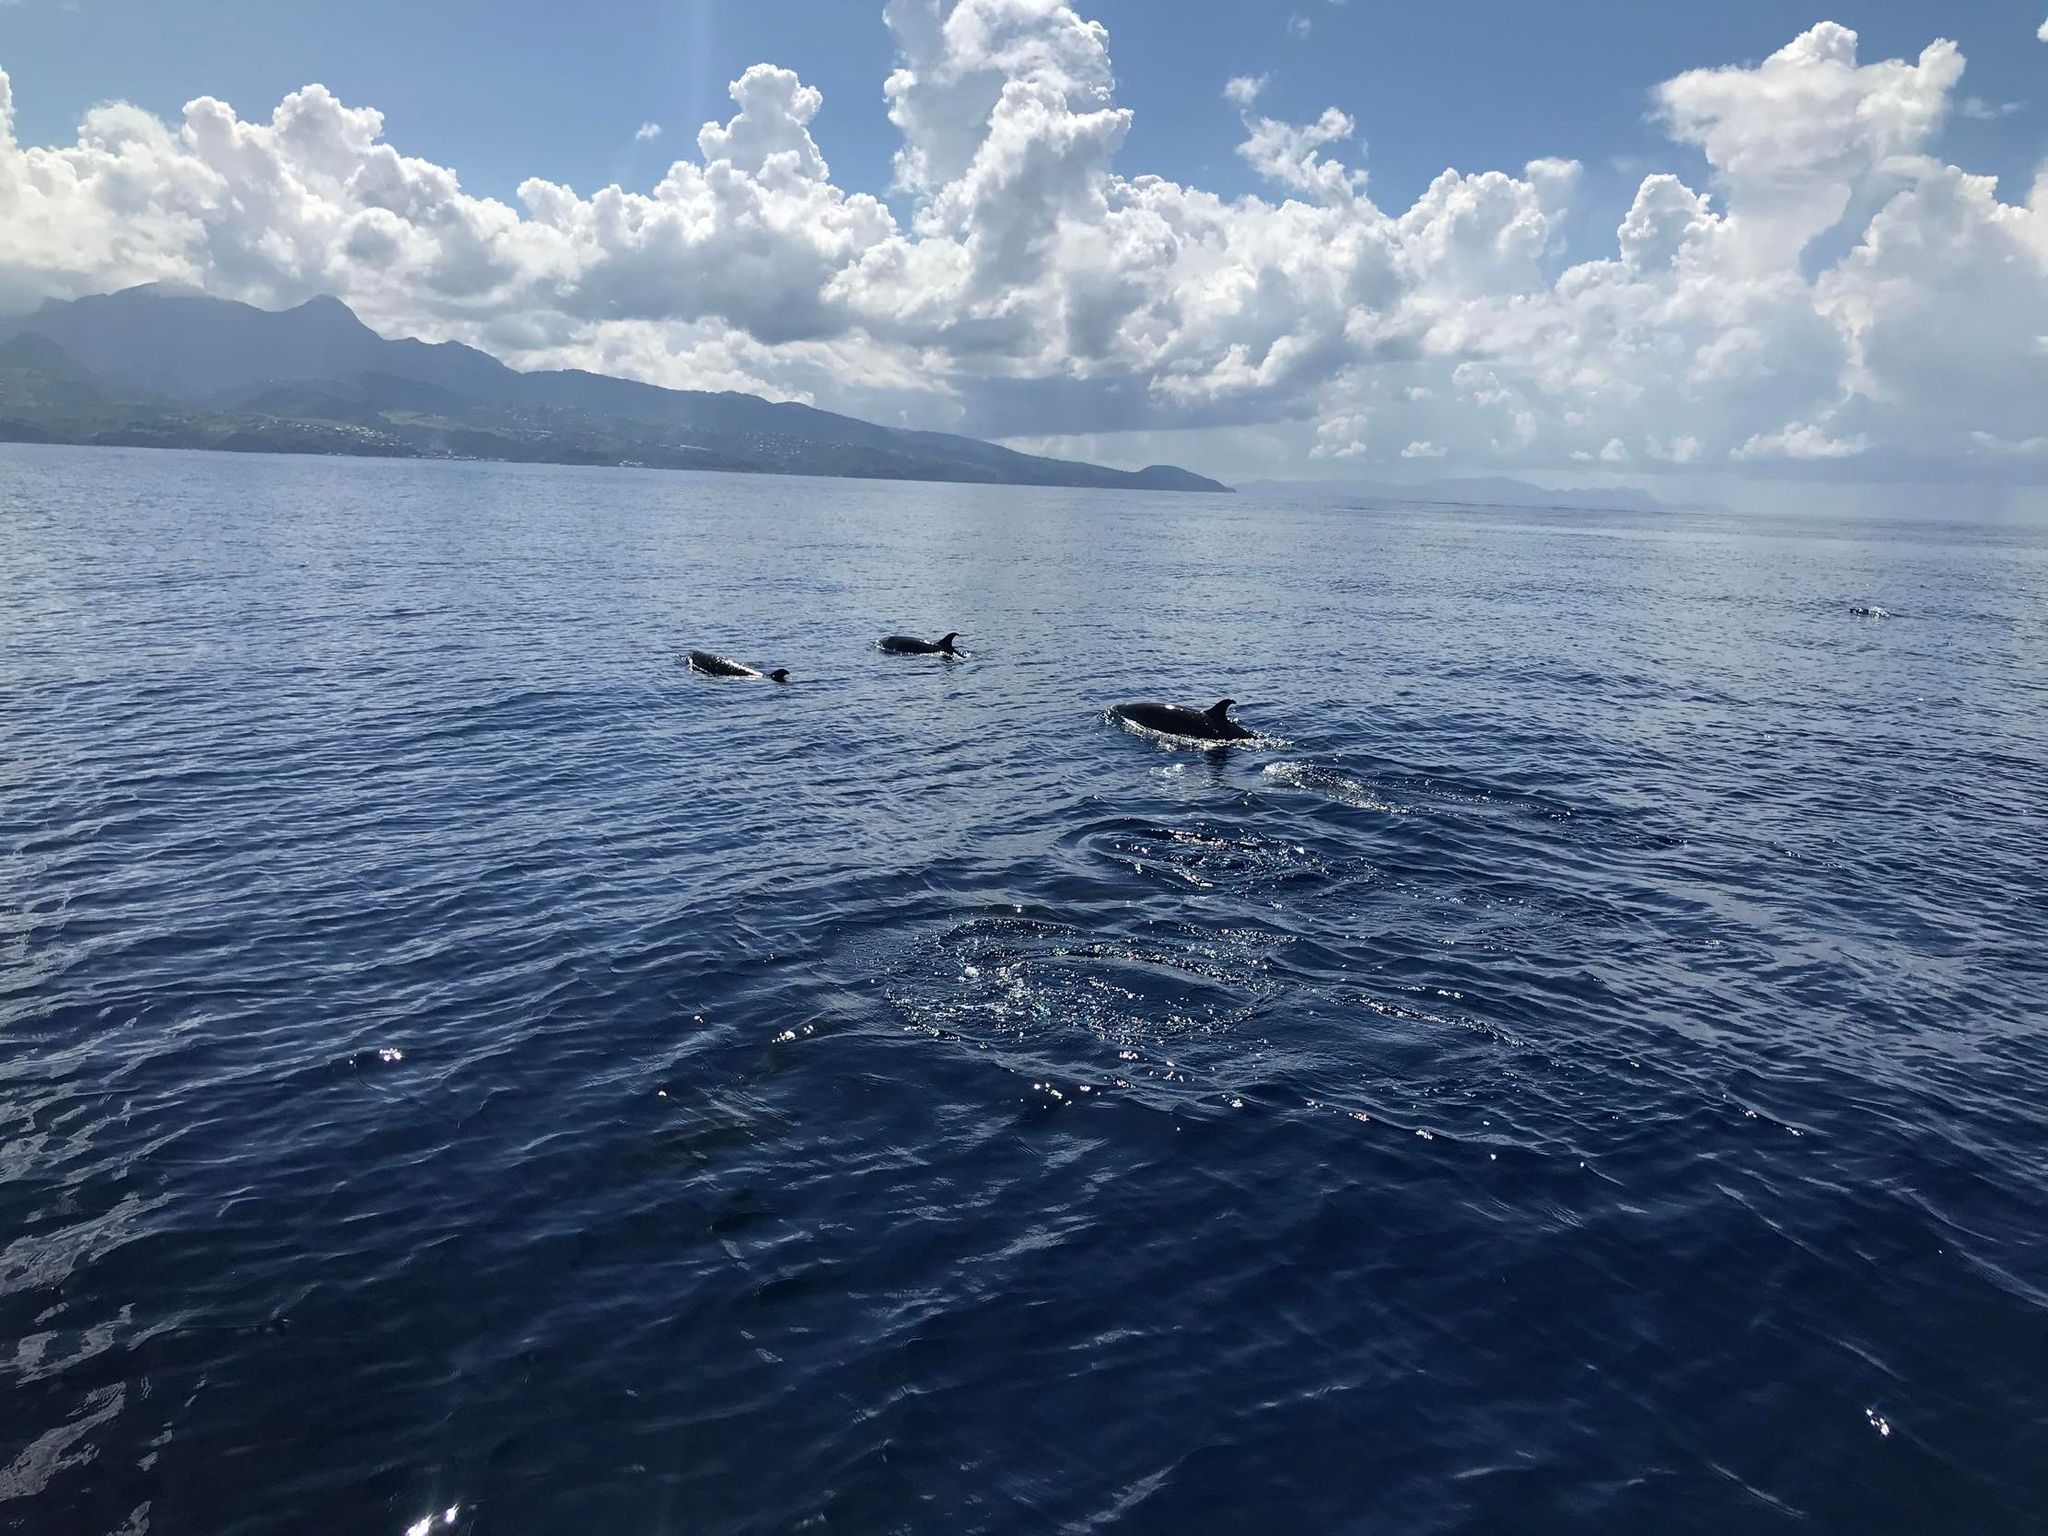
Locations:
{"points": [[1479, 491], [163, 368]]}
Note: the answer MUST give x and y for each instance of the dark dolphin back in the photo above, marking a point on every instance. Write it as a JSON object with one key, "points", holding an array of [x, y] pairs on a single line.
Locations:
{"points": [[1212, 724], [719, 666], [910, 645], [1173, 719]]}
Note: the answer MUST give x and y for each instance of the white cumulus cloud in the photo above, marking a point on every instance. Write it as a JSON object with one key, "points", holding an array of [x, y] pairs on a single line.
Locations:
{"points": [[1340, 437], [646, 133], [1292, 154], [1831, 298], [1798, 440]]}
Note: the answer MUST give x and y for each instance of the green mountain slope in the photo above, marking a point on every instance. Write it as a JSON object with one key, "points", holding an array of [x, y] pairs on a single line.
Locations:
{"points": [[157, 364]]}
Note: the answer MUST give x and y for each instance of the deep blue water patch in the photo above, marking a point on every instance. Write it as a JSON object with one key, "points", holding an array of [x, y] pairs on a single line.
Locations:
{"points": [[1587, 1075]]}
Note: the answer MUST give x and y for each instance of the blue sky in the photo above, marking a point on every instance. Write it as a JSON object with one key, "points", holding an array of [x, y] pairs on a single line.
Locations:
{"points": [[1795, 225]]}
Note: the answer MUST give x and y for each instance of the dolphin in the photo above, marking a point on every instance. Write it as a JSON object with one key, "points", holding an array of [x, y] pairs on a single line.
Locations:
{"points": [[910, 645], [1211, 724], [725, 666], [1870, 611]]}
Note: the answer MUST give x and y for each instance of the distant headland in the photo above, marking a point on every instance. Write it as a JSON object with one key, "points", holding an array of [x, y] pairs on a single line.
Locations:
{"points": [[167, 368]]}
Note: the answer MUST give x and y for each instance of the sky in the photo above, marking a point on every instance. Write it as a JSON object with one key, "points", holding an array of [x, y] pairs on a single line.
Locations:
{"points": [[1330, 238]]}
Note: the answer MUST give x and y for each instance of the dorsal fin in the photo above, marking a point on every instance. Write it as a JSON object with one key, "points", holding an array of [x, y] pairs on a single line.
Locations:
{"points": [[1220, 710]]}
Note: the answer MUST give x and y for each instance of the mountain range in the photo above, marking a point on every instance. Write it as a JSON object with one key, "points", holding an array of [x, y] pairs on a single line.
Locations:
{"points": [[161, 367]]}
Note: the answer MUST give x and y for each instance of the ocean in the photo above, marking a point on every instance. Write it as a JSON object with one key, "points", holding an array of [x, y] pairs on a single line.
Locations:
{"points": [[1585, 1069]]}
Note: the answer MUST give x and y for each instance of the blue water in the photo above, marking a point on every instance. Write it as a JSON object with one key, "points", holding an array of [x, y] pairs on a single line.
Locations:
{"points": [[1588, 1074]]}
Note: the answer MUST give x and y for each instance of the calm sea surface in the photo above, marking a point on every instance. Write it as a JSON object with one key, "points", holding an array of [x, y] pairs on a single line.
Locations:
{"points": [[1589, 1075]]}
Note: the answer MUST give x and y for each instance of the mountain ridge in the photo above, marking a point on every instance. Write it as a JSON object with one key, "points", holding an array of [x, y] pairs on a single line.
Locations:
{"points": [[197, 371]]}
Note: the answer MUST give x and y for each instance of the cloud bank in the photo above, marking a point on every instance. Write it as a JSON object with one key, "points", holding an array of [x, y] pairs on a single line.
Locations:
{"points": [[1835, 299]]}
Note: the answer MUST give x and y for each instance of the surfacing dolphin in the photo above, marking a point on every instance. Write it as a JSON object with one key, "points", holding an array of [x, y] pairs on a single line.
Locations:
{"points": [[1211, 724], [910, 645], [725, 666]]}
